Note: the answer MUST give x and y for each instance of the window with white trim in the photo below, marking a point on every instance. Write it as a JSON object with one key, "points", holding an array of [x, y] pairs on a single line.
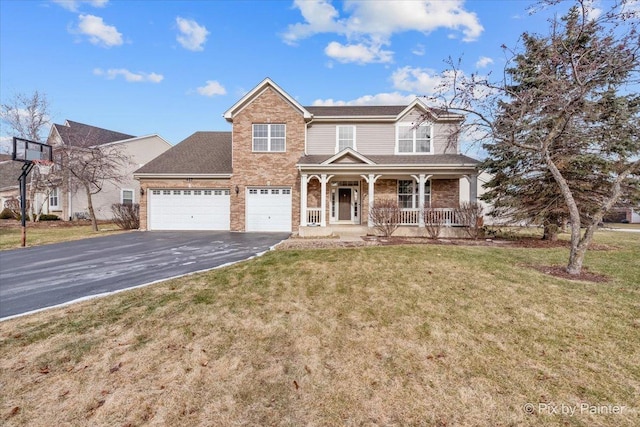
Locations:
{"points": [[54, 198], [269, 137], [409, 195], [126, 197], [345, 138], [411, 139]]}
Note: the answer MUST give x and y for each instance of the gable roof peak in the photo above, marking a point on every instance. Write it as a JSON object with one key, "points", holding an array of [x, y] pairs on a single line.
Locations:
{"points": [[249, 96]]}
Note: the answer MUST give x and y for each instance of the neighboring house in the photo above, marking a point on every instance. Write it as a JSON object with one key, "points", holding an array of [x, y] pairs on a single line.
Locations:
{"points": [[307, 170], [9, 173], [140, 150]]}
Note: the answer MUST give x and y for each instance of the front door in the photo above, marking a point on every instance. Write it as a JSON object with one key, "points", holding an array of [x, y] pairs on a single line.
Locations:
{"points": [[344, 204]]}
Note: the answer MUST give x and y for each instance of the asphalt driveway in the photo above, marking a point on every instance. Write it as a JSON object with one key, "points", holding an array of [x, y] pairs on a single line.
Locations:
{"points": [[45, 276]]}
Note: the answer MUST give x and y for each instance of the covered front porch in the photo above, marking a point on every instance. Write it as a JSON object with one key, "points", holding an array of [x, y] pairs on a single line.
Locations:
{"points": [[334, 203]]}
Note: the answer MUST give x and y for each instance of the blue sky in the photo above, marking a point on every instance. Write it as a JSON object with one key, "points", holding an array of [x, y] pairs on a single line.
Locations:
{"points": [[174, 67]]}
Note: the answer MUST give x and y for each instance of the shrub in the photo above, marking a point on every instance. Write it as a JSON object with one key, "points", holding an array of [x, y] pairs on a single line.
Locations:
{"points": [[49, 217], [126, 216], [433, 222], [7, 214], [385, 215], [470, 216]]}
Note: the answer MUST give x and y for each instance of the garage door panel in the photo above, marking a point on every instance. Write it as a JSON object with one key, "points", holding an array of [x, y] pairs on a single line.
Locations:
{"points": [[189, 210], [268, 209]]}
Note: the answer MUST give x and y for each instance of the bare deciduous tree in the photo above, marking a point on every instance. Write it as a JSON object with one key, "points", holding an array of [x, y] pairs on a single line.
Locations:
{"points": [[88, 167], [564, 103], [28, 117]]}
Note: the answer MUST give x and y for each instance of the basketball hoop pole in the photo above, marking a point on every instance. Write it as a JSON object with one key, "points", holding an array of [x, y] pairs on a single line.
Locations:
{"points": [[26, 168]]}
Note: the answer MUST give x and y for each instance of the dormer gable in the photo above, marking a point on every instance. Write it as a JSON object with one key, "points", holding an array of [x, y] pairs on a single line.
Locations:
{"points": [[350, 156], [266, 84]]}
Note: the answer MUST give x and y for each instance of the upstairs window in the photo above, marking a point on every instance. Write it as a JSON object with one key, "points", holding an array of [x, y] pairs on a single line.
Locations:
{"points": [[413, 140], [269, 137], [345, 137]]}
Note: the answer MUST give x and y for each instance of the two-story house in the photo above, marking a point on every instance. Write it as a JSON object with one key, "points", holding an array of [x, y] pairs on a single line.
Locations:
{"points": [[69, 202], [308, 170]]}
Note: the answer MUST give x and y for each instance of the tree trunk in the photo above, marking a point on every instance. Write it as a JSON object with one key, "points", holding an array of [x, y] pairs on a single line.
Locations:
{"points": [[550, 232], [92, 213], [576, 255]]}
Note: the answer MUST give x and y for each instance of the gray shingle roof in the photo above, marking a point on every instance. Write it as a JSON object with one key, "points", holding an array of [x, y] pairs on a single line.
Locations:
{"points": [[9, 173], [86, 135], [361, 110], [357, 110], [200, 153], [435, 159]]}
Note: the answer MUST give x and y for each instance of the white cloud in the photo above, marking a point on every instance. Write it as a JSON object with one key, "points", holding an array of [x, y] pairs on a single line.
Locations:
{"points": [[393, 98], [372, 23], [358, 53], [420, 80], [99, 33], [483, 61], [192, 35], [212, 88], [74, 5], [129, 76]]}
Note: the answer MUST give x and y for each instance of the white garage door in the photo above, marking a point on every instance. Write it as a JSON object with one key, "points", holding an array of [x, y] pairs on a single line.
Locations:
{"points": [[269, 209], [189, 209]]}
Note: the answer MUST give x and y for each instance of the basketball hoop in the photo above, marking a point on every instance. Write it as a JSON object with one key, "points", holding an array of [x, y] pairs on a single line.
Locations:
{"points": [[44, 166]]}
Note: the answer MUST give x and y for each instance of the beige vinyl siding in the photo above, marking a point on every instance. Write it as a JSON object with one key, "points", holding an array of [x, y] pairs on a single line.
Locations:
{"points": [[371, 138], [321, 139], [376, 138], [441, 135]]}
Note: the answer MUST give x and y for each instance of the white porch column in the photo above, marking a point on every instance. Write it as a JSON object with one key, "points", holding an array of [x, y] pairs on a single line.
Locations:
{"points": [[473, 187], [303, 200], [371, 181], [421, 181], [324, 178]]}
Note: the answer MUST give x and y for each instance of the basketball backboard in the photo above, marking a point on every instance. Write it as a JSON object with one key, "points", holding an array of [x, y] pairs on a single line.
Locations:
{"points": [[28, 151]]}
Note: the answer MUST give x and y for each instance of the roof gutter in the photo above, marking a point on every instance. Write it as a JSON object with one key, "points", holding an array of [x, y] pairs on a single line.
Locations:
{"points": [[139, 176]]}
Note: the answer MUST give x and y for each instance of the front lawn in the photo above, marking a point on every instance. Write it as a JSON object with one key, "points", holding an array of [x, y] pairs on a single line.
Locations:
{"points": [[428, 335], [48, 232]]}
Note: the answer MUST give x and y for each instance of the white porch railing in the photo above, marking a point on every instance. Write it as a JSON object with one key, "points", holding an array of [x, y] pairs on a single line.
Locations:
{"points": [[313, 215], [444, 216], [409, 216]]}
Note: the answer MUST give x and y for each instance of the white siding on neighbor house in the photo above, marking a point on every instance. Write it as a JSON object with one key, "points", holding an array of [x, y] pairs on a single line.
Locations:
{"points": [[141, 151]]}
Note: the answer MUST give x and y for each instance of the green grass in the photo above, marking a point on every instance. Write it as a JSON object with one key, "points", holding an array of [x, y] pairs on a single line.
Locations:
{"points": [[401, 335], [11, 238]]}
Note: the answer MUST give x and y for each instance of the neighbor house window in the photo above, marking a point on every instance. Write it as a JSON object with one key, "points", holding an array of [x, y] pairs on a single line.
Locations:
{"points": [[411, 139], [54, 198], [126, 197], [269, 137], [345, 137], [409, 195]]}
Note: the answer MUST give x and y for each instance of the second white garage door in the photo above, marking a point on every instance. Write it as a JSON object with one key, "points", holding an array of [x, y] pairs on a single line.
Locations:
{"points": [[269, 209], [187, 209]]}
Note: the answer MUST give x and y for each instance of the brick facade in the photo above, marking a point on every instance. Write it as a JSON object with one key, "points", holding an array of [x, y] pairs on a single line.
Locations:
{"points": [[445, 193], [266, 169]]}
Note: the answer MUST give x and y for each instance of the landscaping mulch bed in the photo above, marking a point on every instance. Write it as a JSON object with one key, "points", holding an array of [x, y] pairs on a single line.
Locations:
{"points": [[561, 272]]}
